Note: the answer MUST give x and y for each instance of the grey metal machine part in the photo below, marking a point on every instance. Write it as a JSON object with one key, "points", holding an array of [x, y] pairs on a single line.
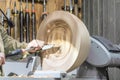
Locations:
{"points": [[103, 53]]}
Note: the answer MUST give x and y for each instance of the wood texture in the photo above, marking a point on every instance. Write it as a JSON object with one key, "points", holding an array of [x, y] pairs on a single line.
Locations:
{"points": [[2, 4], [51, 6], [102, 18], [70, 34]]}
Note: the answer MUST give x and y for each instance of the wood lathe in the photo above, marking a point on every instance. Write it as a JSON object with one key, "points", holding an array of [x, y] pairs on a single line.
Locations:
{"points": [[79, 56]]}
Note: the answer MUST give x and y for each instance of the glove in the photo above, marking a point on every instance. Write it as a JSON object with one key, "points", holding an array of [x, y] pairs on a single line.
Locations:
{"points": [[35, 44]]}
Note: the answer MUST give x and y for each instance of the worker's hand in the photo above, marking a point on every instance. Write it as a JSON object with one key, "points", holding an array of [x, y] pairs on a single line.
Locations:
{"points": [[2, 59], [36, 44]]}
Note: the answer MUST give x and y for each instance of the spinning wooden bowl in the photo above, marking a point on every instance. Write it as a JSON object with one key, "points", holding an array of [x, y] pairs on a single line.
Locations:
{"points": [[67, 32]]}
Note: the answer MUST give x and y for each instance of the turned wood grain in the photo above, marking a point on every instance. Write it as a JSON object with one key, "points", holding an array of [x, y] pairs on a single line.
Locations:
{"points": [[70, 34]]}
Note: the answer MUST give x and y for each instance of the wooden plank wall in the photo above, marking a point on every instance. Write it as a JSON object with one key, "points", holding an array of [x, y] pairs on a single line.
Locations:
{"points": [[102, 18], [52, 5]]}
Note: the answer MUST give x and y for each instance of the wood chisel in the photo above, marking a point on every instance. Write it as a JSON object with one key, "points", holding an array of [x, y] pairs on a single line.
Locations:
{"points": [[76, 7], [14, 34], [21, 22], [44, 14], [19, 51], [27, 22], [65, 5], [71, 6], [8, 14], [33, 21]]}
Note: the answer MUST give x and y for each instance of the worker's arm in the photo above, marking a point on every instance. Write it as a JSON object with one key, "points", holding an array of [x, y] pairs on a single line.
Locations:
{"points": [[10, 44]]}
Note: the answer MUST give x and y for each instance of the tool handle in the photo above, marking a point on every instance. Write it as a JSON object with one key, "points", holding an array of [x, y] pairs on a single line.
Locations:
{"points": [[44, 14], [27, 25], [13, 53], [65, 5], [27, 22], [76, 1], [71, 6], [33, 21], [21, 24], [76, 7]]}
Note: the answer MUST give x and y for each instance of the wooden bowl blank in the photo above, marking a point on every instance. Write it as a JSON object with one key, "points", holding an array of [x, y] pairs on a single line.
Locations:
{"points": [[67, 32]]}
